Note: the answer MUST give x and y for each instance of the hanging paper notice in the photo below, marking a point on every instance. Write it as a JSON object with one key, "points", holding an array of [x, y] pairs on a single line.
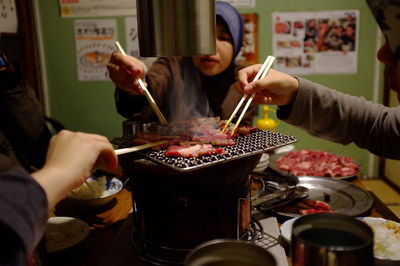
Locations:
{"points": [[241, 3], [97, 8], [323, 42], [94, 41], [8, 16]]}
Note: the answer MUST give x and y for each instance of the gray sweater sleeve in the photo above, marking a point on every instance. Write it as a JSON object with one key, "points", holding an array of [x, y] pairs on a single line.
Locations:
{"points": [[343, 118]]}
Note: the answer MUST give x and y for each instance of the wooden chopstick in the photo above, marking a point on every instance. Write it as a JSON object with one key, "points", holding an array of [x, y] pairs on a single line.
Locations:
{"points": [[263, 75], [259, 73], [146, 92], [140, 147]]}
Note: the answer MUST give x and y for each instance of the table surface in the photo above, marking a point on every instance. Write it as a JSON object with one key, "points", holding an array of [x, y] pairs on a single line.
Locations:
{"points": [[105, 223]]}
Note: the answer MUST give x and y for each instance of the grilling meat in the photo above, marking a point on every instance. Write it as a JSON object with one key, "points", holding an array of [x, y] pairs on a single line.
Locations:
{"points": [[192, 138], [192, 150]]}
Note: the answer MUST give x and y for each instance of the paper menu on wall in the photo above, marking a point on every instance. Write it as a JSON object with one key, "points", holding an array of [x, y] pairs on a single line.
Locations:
{"points": [[96, 8], [323, 42], [94, 44], [8, 16]]}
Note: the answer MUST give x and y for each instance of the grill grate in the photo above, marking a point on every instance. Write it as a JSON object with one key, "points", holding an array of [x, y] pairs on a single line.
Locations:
{"points": [[255, 143]]}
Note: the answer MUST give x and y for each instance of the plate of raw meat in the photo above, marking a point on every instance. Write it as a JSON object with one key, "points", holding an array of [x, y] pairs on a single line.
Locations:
{"points": [[315, 163], [329, 195]]}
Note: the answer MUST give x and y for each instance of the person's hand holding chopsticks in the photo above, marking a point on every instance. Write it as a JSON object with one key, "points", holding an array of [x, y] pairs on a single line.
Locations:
{"points": [[125, 70], [276, 88]]}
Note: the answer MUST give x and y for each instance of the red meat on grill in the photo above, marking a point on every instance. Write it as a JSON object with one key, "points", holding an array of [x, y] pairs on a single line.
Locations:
{"points": [[192, 150], [192, 138]]}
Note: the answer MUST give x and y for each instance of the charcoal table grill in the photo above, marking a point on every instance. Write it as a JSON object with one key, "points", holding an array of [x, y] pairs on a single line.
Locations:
{"points": [[182, 202], [255, 143]]}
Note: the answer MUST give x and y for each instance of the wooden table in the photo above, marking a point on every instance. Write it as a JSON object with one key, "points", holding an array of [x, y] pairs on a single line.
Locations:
{"points": [[104, 225]]}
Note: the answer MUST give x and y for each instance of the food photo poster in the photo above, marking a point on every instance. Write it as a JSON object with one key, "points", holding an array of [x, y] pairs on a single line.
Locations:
{"points": [[248, 54], [324, 42], [94, 44]]}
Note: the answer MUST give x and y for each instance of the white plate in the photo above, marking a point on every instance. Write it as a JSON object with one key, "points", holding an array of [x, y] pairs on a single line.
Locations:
{"points": [[64, 232], [286, 229], [386, 238]]}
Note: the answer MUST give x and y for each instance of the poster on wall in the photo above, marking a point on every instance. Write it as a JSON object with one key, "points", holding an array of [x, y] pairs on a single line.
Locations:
{"points": [[96, 8], [324, 42], [94, 43], [132, 41], [8, 16], [248, 55], [241, 3]]}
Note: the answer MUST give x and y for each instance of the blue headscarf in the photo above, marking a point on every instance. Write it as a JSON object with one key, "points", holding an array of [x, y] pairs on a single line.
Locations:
{"points": [[234, 22]]}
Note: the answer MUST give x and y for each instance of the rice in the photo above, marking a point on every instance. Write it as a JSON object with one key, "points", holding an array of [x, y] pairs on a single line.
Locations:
{"points": [[85, 192], [386, 239]]}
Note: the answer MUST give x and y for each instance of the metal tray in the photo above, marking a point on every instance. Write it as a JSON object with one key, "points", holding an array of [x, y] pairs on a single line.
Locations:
{"points": [[345, 197]]}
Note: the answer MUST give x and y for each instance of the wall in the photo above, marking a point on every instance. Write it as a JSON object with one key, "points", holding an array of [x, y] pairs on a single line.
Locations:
{"points": [[89, 106], [360, 84]]}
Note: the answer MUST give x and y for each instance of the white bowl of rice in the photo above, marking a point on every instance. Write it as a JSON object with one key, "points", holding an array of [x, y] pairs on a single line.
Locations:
{"points": [[386, 240], [99, 192]]}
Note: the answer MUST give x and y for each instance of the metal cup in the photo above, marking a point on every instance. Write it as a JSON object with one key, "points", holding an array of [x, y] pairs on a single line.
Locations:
{"points": [[224, 252], [330, 239], [176, 27]]}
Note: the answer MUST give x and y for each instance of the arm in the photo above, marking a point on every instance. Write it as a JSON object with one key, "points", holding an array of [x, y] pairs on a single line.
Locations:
{"points": [[327, 113], [158, 80], [345, 119], [22, 217], [70, 159]]}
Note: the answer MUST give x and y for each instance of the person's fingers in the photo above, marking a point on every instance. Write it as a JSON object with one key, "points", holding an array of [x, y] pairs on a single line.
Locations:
{"points": [[238, 87], [246, 75], [260, 99]]}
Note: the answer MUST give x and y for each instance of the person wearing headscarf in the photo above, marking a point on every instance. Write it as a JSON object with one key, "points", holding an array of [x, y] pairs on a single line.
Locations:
{"points": [[327, 113], [185, 87]]}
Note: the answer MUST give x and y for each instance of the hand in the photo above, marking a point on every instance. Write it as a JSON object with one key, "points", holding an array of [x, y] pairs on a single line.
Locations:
{"points": [[70, 159], [124, 71], [276, 88]]}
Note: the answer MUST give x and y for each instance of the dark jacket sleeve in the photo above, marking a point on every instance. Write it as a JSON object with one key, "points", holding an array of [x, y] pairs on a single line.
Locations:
{"points": [[22, 119], [157, 79], [23, 216], [343, 118]]}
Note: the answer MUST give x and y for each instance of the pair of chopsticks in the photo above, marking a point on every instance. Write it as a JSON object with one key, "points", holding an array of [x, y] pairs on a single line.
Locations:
{"points": [[260, 75], [140, 147], [146, 92]]}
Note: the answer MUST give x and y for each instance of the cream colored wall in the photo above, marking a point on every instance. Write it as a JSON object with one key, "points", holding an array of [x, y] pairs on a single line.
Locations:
{"points": [[392, 167]]}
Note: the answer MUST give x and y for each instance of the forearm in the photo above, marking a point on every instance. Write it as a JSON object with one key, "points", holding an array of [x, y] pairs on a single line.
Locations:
{"points": [[344, 119], [55, 184], [23, 215]]}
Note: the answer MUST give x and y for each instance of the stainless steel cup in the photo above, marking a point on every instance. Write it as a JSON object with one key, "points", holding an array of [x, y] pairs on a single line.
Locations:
{"points": [[176, 27], [330, 239], [221, 252]]}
